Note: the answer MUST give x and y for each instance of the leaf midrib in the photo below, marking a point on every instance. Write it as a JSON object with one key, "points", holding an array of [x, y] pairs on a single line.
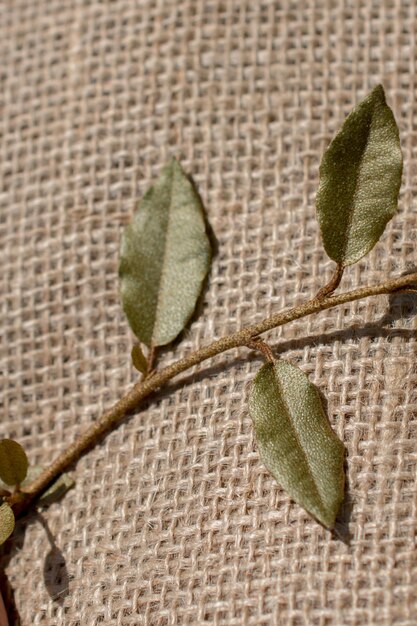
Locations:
{"points": [[357, 175], [164, 257], [287, 407]]}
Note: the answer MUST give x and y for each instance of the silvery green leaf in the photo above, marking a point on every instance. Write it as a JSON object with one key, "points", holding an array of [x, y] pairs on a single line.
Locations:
{"points": [[295, 440], [13, 462], [7, 522], [360, 177], [165, 256]]}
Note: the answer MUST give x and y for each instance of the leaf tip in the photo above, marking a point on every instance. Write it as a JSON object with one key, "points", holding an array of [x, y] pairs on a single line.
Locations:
{"points": [[174, 165], [328, 518], [329, 522], [378, 91]]}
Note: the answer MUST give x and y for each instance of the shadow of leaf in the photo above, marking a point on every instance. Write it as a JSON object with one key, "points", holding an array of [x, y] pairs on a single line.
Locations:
{"points": [[402, 305], [55, 573]]}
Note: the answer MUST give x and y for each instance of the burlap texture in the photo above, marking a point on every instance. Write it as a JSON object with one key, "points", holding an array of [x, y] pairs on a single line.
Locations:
{"points": [[174, 520]]}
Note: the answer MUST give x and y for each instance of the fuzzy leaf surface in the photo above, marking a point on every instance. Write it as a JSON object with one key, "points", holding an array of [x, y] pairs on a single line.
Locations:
{"points": [[164, 259], [7, 522], [360, 177], [295, 440], [13, 462]]}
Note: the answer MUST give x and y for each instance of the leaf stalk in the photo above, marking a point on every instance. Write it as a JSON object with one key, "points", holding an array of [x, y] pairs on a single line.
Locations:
{"points": [[332, 285]]}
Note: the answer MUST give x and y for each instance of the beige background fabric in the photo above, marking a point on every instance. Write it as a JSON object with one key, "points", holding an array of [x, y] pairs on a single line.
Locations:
{"points": [[174, 520]]}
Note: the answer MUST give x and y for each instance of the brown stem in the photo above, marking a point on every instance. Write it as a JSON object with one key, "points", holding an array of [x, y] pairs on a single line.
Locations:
{"points": [[259, 344], [141, 390], [150, 361], [332, 285]]}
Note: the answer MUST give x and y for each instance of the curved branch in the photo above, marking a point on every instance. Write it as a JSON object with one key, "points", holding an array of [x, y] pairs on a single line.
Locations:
{"points": [[141, 390]]}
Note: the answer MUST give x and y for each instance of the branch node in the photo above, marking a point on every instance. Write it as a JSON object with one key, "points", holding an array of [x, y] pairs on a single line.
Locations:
{"points": [[259, 344], [332, 285]]}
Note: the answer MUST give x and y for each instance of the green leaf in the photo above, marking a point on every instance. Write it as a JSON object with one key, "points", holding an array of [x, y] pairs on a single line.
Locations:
{"points": [[13, 462], [165, 256], [295, 440], [360, 177], [58, 489], [6, 522], [139, 359]]}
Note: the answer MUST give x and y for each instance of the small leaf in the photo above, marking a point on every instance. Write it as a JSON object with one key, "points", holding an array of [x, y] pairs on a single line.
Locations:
{"points": [[58, 488], [13, 462], [6, 522], [360, 177], [139, 359], [295, 440], [164, 258]]}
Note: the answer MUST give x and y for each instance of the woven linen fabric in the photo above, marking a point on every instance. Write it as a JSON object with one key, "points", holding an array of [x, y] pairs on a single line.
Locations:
{"points": [[174, 520]]}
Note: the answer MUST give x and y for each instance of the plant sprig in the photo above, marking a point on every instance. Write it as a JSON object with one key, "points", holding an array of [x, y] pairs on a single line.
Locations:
{"points": [[165, 257]]}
